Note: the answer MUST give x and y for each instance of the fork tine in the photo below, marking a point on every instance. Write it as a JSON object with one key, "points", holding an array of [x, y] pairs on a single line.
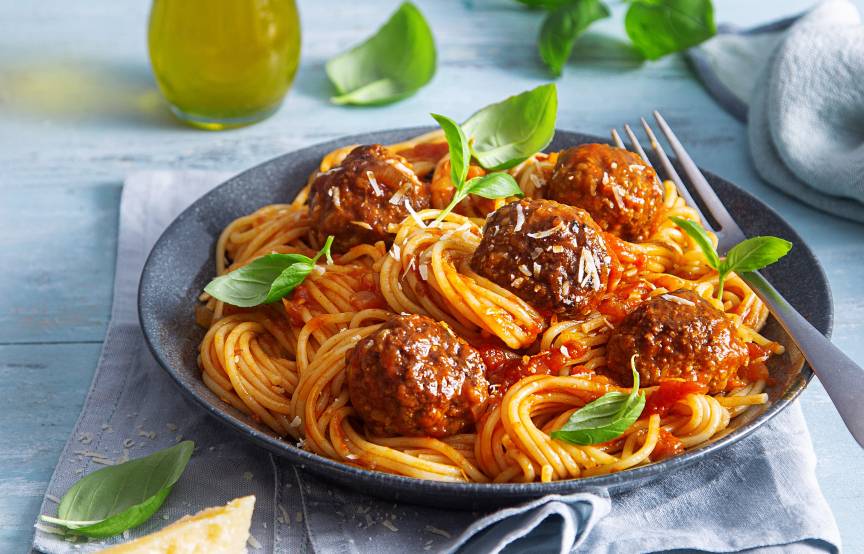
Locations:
{"points": [[672, 173], [634, 142], [617, 138], [703, 188]]}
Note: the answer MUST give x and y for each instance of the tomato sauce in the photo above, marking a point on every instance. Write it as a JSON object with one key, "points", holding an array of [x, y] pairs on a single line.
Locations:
{"points": [[299, 298], [668, 445], [511, 370], [426, 151], [668, 394]]}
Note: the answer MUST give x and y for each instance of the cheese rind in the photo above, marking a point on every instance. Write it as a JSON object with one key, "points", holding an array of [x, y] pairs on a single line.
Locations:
{"points": [[217, 530]]}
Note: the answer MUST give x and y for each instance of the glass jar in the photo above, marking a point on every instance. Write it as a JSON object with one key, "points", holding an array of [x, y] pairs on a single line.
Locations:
{"points": [[224, 63]]}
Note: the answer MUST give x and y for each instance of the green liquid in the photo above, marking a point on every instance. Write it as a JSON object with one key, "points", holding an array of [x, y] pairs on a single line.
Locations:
{"points": [[224, 63]]}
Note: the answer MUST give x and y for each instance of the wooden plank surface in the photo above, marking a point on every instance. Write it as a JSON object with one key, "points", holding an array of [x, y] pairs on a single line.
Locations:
{"points": [[78, 111]]}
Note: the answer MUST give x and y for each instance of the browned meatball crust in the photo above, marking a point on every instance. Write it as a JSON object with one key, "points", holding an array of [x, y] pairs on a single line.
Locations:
{"points": [[415, 377], [614, 185], [551, 255], [352, 201], [676, 335]]}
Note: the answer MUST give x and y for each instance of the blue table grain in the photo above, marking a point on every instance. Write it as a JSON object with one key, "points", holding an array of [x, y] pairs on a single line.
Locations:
{"points": [[78, 111]]}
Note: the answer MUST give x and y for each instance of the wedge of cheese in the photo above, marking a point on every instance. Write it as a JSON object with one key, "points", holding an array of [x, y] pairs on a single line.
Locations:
{"points": [[218, 530]]}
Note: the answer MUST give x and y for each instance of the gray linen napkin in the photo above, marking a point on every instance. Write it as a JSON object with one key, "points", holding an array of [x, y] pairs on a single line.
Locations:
{"points": [[798, 83], [761, 493]]}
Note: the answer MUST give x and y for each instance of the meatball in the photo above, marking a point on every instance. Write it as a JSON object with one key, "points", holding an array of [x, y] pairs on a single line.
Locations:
{"points": [[676, 335], [355, 203], [415, 377], [551, 255], [614, 185]]}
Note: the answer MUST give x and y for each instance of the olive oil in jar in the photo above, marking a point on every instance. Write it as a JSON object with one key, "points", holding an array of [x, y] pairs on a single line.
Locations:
{"points": [[224, 63]]}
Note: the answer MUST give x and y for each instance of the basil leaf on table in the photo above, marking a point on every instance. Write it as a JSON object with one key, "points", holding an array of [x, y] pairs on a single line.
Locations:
{"points": [[266, 279], [545, 4], [116, 498], [508, 132], [606, 418], [391, 65], [661, 27], [562, 27], [460, 153]]}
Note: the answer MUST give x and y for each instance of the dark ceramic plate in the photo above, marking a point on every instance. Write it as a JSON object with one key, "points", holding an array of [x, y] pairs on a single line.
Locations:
{"points": [[181, 263]]}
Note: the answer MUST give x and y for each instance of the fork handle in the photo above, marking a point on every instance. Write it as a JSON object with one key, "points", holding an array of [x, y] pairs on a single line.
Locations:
{"points": [[842, 378]]}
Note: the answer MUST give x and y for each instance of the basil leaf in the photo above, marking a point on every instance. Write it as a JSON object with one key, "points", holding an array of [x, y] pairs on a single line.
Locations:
{"points": [[562, 27], [545, 4], [253, 283], [698, 234], [493, 185], [506, 133], [116, 498], [661, 27], [391, 65], [265, 279], [288, 280], [460, 154], [755, 253], [606, 418]]}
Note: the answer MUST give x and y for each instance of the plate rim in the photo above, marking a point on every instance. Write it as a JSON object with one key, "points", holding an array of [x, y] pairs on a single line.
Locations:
{"points": [[333, 469]]}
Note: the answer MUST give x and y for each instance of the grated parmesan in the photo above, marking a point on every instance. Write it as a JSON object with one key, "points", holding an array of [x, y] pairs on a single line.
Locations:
{"points": [[424, 272], [548, 232], [253, 542], [389, 525], [396, 199], [396, 252], [376, 188], [437, 531], [677, 300], [520, 218], [414, 215], [362, 224], [616, 192]]}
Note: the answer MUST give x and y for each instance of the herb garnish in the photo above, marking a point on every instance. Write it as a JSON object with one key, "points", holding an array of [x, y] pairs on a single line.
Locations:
{"points": [[491, 185], [508, 132], [391, 65], [116, 498], [606, 418], [748, 255], [265, 279]]}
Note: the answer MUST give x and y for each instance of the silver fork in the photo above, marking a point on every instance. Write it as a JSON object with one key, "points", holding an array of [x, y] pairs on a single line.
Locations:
{"points": [[842, 378]]}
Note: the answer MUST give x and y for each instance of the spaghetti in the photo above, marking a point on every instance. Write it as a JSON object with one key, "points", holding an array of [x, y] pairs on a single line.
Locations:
{"points": [[285, 364]]}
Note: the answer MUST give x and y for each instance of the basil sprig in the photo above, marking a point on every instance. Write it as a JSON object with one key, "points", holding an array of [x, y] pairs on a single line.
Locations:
{"points": [[391, 65], [116, 498], [748, 255], [491, 185], [606, 418], [562, 27], [506, 133], [265, 279], [655, 27]]}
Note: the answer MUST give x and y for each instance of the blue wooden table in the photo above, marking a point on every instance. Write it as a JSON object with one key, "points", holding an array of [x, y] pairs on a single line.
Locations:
{"points": [[79, 110]]}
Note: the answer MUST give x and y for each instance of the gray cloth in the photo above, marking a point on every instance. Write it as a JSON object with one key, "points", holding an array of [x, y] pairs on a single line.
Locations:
{"points": [[798, 82], [762, 492]]}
